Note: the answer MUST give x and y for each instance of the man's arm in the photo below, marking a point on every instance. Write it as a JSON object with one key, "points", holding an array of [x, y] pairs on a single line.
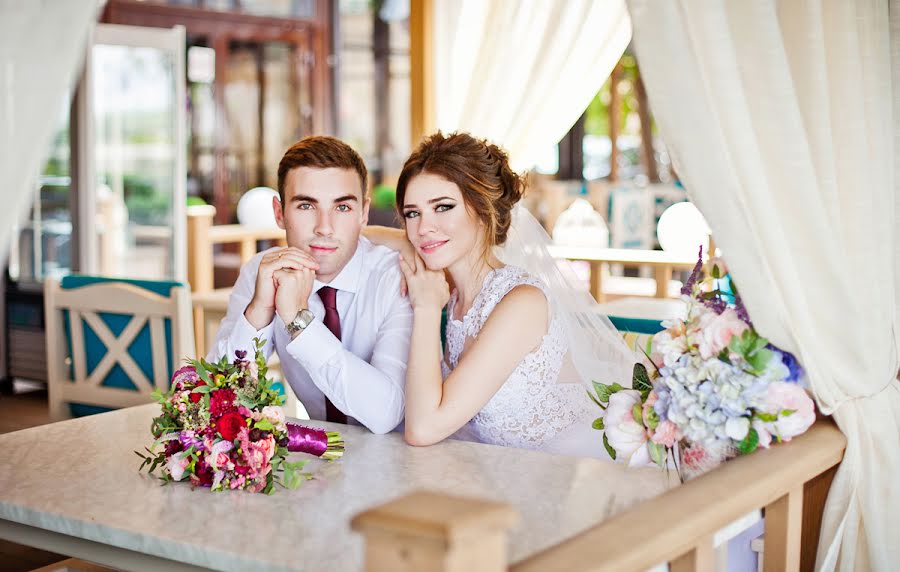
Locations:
{"points": [[372, 392]]}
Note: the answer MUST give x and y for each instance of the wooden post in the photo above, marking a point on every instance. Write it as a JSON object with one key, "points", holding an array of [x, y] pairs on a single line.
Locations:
{"points": [[646, 131], [663, 274], [701, 558], [615, 103], [783, 524], [436, 532], [200, 263], [421, 73], [597, 281]]}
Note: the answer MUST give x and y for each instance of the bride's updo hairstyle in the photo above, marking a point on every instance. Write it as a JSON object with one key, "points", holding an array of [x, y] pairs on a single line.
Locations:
{"points": [[480, 169]]}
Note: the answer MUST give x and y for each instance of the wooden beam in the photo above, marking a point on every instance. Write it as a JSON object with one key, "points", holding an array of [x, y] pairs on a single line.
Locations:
{"points": [[421, 57]]}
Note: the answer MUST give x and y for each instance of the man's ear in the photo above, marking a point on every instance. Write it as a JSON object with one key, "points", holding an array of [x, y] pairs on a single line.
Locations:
{"points": [[279, 213], [367, 202]]}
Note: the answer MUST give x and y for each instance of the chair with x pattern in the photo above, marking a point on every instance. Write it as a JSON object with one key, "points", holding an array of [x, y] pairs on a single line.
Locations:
{"points": [[111, 342]]}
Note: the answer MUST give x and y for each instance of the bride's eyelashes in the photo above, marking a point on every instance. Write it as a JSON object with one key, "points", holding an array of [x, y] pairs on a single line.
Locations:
{"points": [[440, 208]]}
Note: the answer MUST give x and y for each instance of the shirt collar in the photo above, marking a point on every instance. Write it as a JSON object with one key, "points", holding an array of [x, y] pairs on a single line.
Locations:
{"points": [[348, 278]]}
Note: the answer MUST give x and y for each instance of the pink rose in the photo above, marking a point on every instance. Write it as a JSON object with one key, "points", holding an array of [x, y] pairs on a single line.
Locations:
{"points": [[667, 434], [625, 434], [716, 330], [782, 396]]}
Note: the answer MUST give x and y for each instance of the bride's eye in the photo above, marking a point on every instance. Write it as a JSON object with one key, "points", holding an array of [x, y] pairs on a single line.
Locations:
{"points": [[443, 208], [410, 214]]}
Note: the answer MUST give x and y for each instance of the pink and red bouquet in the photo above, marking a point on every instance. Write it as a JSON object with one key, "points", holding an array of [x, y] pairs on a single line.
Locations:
{"points": [[715, 388], [222, 427]]}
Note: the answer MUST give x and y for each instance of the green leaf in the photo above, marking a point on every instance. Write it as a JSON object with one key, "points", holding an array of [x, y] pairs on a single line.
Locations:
{"points": [[766, 417], [594, 399], [603, 391], [759, 359], [598, 424], [264, 424], [638, 413], [204, 375], [657, 453], [716, 273], [640, 379], [786, 412], [749, 443], [202, 389], [609, 449]]}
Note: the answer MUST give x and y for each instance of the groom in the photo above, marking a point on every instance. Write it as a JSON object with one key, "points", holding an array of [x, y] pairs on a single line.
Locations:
{"points": [[328, 303]]}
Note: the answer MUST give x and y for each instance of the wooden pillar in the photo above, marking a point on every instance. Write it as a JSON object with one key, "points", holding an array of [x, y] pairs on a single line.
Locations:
{"points": [[615, 105], [646, 131], [260, 53], [436, 532], [220, 137], [783, 524], [381, 48], [421, 58], [701, 558], [200, 263], [663, 275]]}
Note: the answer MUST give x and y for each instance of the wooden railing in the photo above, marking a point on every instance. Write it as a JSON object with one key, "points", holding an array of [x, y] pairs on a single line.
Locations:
{"points": [[446, 534]]}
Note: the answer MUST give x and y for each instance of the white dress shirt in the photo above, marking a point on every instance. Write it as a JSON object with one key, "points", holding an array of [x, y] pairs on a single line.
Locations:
{"points": [[364, 372]]}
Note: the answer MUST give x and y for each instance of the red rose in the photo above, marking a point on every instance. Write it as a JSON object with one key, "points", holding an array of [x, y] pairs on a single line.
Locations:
{"points": [[195, 397], [229, 425]]}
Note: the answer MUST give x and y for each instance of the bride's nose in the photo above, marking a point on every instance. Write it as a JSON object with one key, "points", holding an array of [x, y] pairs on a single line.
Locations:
{"points": [[426, 224]]}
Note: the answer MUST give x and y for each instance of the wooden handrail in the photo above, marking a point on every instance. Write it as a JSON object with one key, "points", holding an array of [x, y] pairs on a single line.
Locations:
{"points": [[677, 527], [678, 521]]}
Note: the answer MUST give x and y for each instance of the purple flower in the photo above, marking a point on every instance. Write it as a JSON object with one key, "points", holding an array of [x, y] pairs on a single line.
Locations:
{"points": [[688, 287], [788, 359], [663, 399], [188, 439], [241, 354]]}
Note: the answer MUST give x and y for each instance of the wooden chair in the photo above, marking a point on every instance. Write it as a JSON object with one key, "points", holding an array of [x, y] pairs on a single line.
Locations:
{"points": [[111, 342]]}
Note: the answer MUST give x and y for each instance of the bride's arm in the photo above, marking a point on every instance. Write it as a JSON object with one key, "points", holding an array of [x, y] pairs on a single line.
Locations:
{"points": [[393, 238], [435, 409]]}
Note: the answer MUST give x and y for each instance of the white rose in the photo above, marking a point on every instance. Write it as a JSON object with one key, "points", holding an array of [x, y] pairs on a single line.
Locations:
{"points": [[737, 428], [625, 434]]}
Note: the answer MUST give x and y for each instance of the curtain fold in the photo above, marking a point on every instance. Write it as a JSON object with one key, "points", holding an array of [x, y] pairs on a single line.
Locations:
{"points": [[521, 72], [781, 119], [42, 46]]}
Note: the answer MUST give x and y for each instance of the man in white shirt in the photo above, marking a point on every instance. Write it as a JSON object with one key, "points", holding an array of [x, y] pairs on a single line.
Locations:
{"points": [[329, 302]]}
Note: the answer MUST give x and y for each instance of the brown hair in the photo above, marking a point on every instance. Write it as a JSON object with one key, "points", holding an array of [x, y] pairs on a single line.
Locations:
{"points": [[321, 152], [480, 169]]}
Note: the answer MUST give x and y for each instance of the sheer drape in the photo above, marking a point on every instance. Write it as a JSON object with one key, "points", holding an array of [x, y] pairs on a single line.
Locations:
{"points": [[521, 72], [780, 118], [42, 46]]}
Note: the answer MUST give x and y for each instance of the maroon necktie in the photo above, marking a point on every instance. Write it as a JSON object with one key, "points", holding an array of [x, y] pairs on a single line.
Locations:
{"points": [[332, 321]]}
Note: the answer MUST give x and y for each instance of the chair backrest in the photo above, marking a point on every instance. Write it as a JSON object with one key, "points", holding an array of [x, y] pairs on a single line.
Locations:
{"points": [[111, 342]]}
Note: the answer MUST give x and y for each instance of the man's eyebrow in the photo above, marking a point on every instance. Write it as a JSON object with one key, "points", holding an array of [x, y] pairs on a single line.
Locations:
{"points": [[309, 199]]}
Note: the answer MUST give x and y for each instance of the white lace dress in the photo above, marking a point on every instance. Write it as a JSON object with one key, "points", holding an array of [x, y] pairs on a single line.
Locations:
{"points": [[531, 410]]}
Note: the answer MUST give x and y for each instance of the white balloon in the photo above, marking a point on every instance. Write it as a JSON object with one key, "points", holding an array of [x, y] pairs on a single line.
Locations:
{"points": [[254, 210], [682, 230]]}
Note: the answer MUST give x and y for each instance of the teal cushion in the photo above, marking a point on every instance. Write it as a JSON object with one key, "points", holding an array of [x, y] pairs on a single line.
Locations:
{"points": [[140, 348], [636, 325]]}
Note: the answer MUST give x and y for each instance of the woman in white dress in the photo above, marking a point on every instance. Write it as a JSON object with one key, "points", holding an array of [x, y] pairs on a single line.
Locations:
{"points": [[505, 376]]}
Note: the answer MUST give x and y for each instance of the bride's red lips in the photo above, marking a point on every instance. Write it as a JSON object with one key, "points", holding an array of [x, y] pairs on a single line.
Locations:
{"points": [[432, 245]]}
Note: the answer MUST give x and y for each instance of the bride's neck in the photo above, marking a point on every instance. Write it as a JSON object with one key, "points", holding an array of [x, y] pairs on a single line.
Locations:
{"points": [[468, 278]]}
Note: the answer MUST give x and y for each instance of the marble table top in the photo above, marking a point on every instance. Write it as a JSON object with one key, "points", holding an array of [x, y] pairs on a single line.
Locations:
{"points": [[80, 478]]}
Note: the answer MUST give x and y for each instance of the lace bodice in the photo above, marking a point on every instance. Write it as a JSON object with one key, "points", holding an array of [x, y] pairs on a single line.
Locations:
{"points": [[531, 408]]}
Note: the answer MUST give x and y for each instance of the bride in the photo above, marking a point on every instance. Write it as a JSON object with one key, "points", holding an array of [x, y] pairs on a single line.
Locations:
{"points": [[520, 343]]}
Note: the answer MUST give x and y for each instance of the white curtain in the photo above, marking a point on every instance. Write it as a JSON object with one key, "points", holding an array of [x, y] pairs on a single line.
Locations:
{"points": [[781, 118], [42, 46], [521, 72]]}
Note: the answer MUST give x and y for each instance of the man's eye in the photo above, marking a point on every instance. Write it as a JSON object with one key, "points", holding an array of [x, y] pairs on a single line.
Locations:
{"points": [[343, 208], [304, 206], [410, 214], [443, 208]]}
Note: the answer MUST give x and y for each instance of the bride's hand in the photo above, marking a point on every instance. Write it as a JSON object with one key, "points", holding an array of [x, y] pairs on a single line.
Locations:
{"points": [[428, 289]]}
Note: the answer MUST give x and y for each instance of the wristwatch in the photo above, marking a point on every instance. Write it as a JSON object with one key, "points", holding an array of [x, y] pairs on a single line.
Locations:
{"points": [[303, 319]]}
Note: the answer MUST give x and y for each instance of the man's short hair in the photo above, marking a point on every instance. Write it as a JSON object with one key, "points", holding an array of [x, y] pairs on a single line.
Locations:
{"points": [[321, 152]]}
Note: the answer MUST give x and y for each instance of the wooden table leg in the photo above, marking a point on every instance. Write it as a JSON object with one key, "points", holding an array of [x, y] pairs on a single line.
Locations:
{"points": [[783, 523], [663, 275], [701, 558]]}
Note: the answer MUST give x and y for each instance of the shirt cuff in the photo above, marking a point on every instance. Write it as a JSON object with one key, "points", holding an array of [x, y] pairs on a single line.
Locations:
{"points": [[244, 332], [315, 346]]}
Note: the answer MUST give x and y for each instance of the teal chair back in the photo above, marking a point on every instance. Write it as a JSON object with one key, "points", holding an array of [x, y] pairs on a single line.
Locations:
{"points": [[111, 342]]}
